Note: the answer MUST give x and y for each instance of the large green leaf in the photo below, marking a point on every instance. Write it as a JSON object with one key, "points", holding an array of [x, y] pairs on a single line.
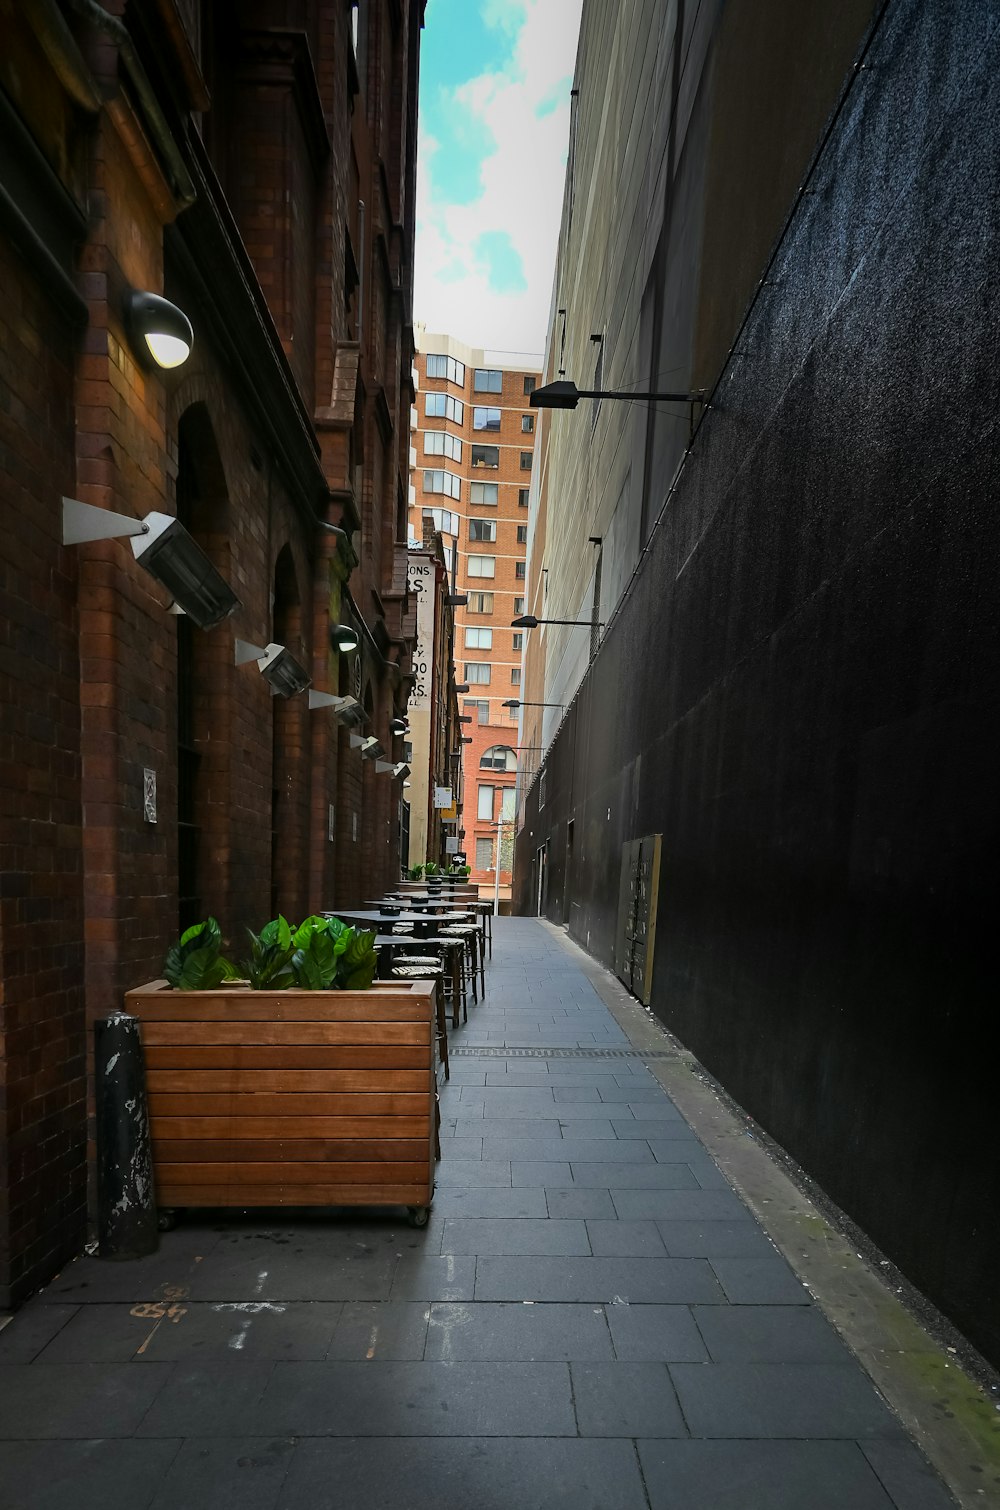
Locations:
{"points": [[201, 939], [356, 969], [203, 971], [315, 964]]}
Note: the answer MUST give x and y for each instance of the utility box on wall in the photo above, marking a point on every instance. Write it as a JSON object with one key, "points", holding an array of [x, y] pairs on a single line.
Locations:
{"points": [[638, 895]]}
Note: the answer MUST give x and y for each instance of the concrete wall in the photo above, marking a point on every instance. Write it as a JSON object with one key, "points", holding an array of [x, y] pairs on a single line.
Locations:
{"points": [[800, 687]]}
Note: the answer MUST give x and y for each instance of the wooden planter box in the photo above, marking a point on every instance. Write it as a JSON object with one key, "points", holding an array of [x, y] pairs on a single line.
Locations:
{"points": [[291, 1098]]}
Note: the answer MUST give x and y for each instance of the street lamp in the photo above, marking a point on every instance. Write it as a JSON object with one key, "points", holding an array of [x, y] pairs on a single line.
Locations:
{"points": [[528, 621], [516, 702], [161, 333], [566, 395]]}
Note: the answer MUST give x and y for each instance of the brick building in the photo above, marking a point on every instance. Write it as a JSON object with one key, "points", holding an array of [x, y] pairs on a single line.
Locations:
{"points": [[254, 164], [432, 751], [474, 438]]}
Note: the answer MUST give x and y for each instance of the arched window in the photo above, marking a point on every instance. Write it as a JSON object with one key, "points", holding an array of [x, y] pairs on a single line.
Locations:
{"points": [[498, 758]]}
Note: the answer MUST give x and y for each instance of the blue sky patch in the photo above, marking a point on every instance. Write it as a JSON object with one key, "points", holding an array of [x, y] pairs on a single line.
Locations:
{"points": [[506, 270]]}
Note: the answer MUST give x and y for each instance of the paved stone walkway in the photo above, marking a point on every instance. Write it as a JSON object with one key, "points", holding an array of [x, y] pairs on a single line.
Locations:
{"points": [[591, 1320]]}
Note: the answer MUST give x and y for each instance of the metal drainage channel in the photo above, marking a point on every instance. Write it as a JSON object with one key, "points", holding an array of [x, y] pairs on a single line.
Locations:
{"points": [[507, 1052]]}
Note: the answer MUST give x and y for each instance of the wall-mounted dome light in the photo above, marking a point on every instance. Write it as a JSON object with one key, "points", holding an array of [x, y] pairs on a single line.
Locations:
{"points": [[160, 332], [277, 666], [398, 726], [343, 637]]}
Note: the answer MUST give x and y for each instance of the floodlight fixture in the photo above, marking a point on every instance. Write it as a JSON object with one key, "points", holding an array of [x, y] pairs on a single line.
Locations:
{"points": [[357, 740], [456, 599], [279, 668], [350, 712], [343, 638], [461, 686], [401, 769], [382, 767], [164, 548], [325, 700], [516, 702], [371, 749], [528, 621], [161, 333], [566, 395]]}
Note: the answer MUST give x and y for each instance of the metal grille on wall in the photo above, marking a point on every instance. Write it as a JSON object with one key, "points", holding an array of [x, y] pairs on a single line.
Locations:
{"points": [[637, 900]]}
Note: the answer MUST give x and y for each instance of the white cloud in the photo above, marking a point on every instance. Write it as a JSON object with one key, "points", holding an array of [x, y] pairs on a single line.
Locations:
{"points": [[522, 185]]}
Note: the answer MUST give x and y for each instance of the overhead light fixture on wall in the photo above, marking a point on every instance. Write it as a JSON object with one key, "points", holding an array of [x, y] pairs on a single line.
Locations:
{"points": [[566, 395], [528, 621], [383, 767], [160, 333], [398, 726], [279, 668], [401, 769], [163, 547], [343, 638]]}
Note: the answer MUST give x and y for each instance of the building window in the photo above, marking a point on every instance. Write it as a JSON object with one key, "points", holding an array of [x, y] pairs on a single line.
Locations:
{"points": [[445, 521], [498, 758], [525, 461], [482, 529], [484, 810], [480, 707], [518, 606], [484, 854], [477, 671], [443, 482], [439, 366], [528, 424], [440, 443], [481, 566], [486, 419], [515, 676], [508, 803], [486, 456], [480, 602], [487, 380], [522, 497], [522, 534], [484, 492], [479, 639], [443, 406], [520, 570], [530, 385], [517, 640]]}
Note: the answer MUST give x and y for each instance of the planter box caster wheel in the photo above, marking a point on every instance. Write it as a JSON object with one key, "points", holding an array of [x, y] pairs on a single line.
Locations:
{"points": [[418, 1216], [166, 1219]]}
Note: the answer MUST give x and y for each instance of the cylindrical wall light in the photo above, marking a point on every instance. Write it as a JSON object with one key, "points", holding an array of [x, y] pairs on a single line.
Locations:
{"points": [[160, 332]]}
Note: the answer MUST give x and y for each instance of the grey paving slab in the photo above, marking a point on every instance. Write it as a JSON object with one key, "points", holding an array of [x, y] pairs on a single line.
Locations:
{"points": [[768, 1334], [766, 1280], [626, 1095], [551, 1173], [499, 1236], [429, 1276], [385, 1330], [741, 1238], [455, 1146], [509, 1129], [629, 1239], [760, 1476], [32, 1329], [584, 1144], [206, 1399], [576, 1094], [631, 1174], [812, 1400], [519, 1332], [493, 1200], [473, 1172], [65, 1400], [464, 1474], [87, 1475], [906, 1476], [307, 1270], [219, 1331], [626, 1400], [656, 1333], [667, 1204], [585, 1203], [654, 1280], [228, 1473], [437, 1399]]}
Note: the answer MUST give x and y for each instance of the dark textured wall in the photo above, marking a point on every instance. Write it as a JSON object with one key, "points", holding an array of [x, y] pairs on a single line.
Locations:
{"points": [[801, 689]]}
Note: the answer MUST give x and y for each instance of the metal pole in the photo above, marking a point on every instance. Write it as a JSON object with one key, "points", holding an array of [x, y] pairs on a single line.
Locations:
{"points": [[496, 877], [126, 1203]]}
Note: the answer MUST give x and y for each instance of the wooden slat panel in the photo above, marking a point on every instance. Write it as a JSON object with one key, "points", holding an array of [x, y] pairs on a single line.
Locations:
{"points": [[239, 1127], [331, 1194], [289, 1174], [323, 1152], [302, 1057], [195, 1081], [317, 1006], [249, 1106], [309, 1033]]}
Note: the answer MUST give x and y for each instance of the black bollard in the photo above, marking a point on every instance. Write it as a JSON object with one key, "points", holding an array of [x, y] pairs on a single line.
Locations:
{"points": [[126, 1203]]}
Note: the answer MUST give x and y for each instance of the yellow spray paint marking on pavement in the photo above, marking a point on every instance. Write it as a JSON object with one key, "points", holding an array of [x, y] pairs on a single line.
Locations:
{"points": [[160, 1311]]}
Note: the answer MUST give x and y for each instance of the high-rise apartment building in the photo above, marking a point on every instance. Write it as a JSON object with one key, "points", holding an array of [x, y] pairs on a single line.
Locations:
{"points": [[474, 440]]}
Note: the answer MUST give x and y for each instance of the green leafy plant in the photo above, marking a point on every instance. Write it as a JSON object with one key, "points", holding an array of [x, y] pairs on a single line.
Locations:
{"points": [[415, 872], [432, 868], [195, 962], [357, 960], [460, 870], [269, 967]]}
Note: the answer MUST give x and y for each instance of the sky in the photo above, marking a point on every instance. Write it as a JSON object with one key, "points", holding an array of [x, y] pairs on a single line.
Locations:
{"points": [[495, 80]]}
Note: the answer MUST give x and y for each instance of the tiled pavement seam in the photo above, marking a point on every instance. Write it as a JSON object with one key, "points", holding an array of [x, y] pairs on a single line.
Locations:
{"points": [[592, 1318]]}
